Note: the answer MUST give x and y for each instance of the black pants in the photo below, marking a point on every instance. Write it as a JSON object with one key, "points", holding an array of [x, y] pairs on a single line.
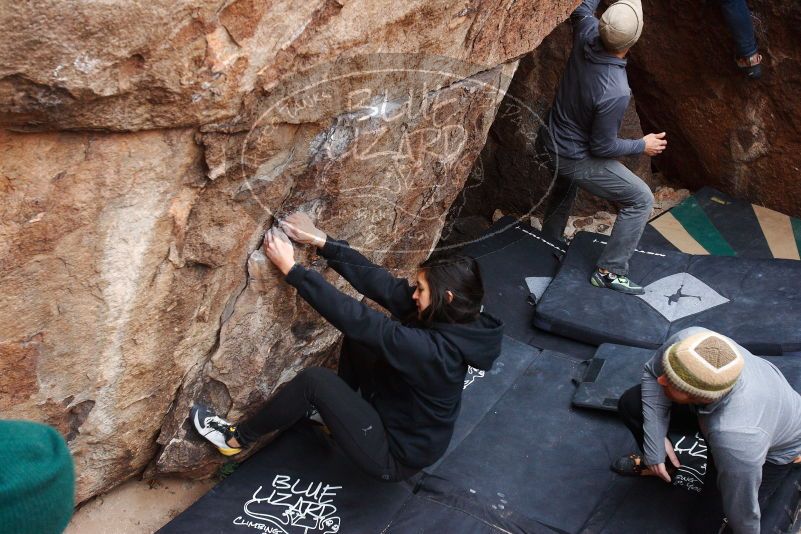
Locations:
{"points": [[354, 423], [707, 517]]}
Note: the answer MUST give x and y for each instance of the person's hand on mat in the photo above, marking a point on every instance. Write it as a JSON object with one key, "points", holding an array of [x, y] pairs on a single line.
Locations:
{"points": [[659, 469], [279, 250], [300, 228], [671, 453], [655, 143]]}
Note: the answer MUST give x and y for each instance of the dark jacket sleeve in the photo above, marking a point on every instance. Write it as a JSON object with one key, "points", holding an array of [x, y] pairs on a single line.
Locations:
{"points": [[372, 281], [604, 142], [404, 348], [584, 16], [586, 8]]}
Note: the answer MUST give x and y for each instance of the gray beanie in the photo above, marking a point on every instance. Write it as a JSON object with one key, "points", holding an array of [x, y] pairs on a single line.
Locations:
{"points": [[621, 25]]}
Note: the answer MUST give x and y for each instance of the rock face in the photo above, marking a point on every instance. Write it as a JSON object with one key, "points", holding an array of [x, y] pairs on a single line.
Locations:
{"points": [[125, 65], [508, 175], [742, 137], [163, 138]]}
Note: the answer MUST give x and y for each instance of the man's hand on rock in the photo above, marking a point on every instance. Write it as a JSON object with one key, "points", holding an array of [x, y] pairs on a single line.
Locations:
{"points": [[300, 228], [655, 143], [279, 249]]}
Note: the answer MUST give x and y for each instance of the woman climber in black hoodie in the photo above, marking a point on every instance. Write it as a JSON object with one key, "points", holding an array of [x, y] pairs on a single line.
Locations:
{"points": [[393, 403]]}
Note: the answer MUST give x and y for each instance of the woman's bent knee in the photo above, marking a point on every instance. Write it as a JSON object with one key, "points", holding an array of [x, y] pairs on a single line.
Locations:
{"points": [[315, 375]]}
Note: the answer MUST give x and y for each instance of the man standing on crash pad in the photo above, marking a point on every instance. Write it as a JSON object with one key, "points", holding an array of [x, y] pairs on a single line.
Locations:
{"points": [[581, 136]]}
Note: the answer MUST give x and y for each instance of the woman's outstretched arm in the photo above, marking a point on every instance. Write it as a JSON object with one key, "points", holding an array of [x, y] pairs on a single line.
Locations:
{"points": [[406, 349], [369, 279]]}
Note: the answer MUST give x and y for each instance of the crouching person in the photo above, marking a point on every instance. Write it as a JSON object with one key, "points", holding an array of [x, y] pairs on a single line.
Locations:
{"points": [[392, 404], [743, 406]]}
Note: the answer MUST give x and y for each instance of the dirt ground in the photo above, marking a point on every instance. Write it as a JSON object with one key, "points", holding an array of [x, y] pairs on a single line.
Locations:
{"points": [[137, 507]]}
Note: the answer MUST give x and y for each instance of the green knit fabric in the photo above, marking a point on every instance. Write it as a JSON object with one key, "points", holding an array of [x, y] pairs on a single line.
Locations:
{"points": [[37, 479]]}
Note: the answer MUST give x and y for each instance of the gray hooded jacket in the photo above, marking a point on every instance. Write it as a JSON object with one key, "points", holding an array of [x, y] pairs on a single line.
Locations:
{"points": [[592, 97]]}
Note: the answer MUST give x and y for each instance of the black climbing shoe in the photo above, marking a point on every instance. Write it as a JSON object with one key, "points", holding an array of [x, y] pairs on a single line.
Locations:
{"points": [[613, 281], [215, 429], [629, 466]]}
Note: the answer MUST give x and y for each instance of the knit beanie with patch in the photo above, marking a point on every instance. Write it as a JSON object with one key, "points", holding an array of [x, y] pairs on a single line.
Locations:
{"points": [[621, 25], [705, 365], [37, 479]]}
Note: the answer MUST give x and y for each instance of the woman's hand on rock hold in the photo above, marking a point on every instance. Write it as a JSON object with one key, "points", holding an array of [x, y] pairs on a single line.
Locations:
{"points": [[279, 249], [300, 228], [655, 143]]}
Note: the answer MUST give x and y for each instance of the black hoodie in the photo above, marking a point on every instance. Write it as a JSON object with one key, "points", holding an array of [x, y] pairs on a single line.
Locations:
{"points": [[419, 372]]}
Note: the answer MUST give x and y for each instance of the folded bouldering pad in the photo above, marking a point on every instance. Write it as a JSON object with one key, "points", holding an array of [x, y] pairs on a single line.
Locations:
{"points": [[724, 294], [711, 222], [613, 370]]}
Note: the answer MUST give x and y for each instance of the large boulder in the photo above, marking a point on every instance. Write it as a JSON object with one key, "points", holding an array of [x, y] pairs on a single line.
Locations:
{"points": [[140, 64], [740, 136], [132, 283]]}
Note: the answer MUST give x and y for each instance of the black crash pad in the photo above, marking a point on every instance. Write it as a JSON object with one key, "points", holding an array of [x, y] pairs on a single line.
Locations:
{"points": [[649, 505], [516, 261], [724, 294], [482, 389], [439, 507], [613, 370], [300, 483], [522, 460], [508, 253], [536, 455]]}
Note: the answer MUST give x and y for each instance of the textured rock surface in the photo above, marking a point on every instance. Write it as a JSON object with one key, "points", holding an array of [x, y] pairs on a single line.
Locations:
{"points": [[739, 136], [508, 176], [125, 65], [98, 326], [131, 282]]}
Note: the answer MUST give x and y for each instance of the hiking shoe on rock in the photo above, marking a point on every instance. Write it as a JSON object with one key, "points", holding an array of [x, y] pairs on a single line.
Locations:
{"points": [[751, 66], [215, 429], [616, 282]]}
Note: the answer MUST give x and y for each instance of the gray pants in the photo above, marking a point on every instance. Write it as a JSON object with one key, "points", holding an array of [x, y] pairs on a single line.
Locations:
{"points": [[611, 180]]}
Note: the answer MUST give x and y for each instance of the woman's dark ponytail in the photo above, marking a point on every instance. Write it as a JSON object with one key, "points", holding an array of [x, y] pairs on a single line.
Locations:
{"points": [[460, 275]]}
